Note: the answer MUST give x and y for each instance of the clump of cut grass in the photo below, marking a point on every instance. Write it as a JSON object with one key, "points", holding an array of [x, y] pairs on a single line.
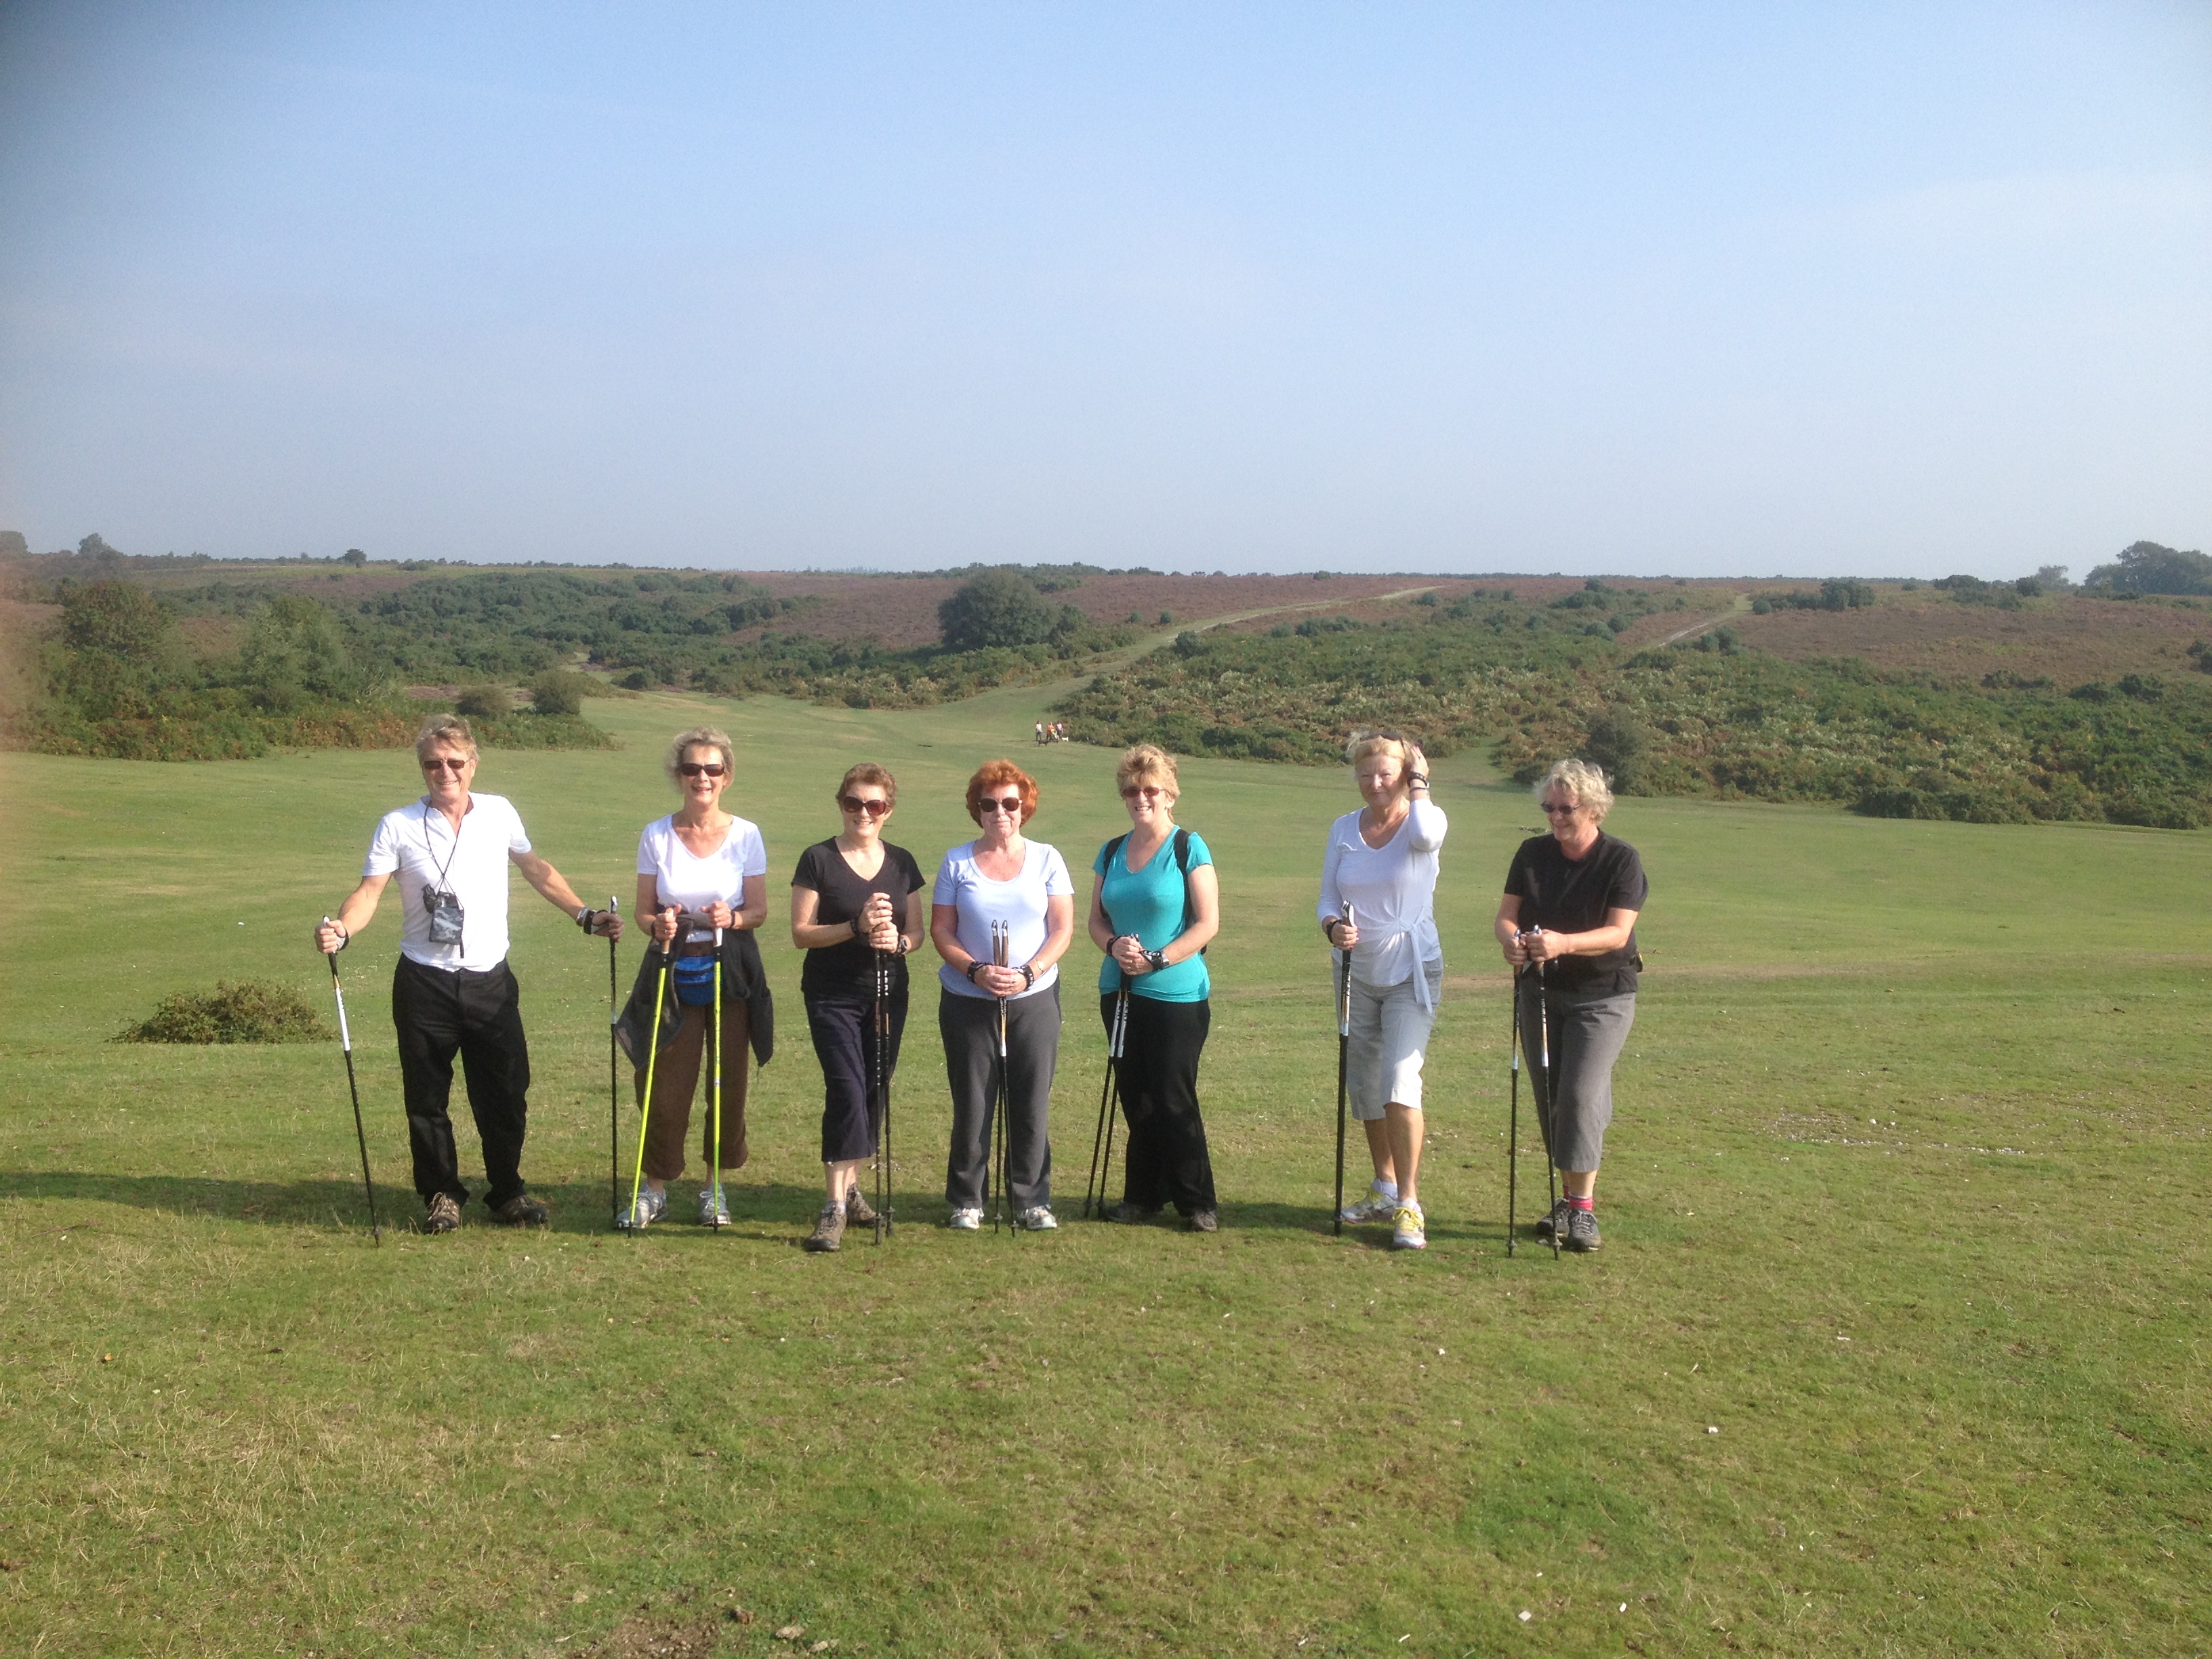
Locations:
{"points": [[242, 1011]]}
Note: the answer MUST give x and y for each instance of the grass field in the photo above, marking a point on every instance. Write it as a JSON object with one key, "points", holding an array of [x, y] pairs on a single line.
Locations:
{"points": [[1905, 1200]]}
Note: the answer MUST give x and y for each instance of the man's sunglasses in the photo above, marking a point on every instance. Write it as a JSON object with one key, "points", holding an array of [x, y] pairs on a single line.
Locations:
{"points": [[1011, 803], [701, 768], [447, 763], [874, 809]]}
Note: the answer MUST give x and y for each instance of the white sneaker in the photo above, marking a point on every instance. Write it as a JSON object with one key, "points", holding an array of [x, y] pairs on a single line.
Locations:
{"points": [[966, 1221], [1377, 1206], [1410, 1228], [1037, 1220], [651, 1206], [714, 1207]]}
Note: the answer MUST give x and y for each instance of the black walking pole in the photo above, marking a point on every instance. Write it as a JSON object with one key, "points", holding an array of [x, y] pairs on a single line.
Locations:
{"points": [[1513, 1118], [1343, 1057], [1547, 1102], [1108, 1094], [353, 1088], [614, 1076]]}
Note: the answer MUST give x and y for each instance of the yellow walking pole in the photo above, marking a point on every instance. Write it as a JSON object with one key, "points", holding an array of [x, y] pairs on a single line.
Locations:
{"points": [[645, 1107], [717, 1213]]}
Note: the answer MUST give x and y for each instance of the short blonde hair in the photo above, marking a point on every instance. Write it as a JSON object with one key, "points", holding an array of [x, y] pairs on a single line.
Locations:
{"points": [[701, 737], [444, 728], [1146, 762], [1584, 781], [1363, 742]]}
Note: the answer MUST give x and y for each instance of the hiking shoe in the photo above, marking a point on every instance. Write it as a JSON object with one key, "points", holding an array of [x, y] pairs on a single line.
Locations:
{"points": [[651, 1207], [1038, 1219], [1553, 1224], [1202, 1221], [1409, 1229], [829, 1229], [1377, 1206], [1129, 1214], [522, 1210], [859, 1212], [713, 1205], [965, 1221], [445, 1214], [1582, 1230]]}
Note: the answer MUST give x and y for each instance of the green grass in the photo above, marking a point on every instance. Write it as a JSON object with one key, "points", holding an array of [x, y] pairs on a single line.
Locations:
{"points": [[1905, 1198]]}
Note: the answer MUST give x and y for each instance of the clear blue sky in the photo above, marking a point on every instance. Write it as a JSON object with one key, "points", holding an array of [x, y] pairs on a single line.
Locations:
{"points": [[1690, 289]]}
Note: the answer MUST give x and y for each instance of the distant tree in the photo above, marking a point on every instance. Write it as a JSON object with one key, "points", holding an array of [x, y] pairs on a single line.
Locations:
{"points": [[1167, 618], [484, 702], [559, 691], [13, 546], [354, 556], [93, 547], [1618, 741], [997, 608], [2051, 578], [295, 650], [2147, 567], [117, 619]]}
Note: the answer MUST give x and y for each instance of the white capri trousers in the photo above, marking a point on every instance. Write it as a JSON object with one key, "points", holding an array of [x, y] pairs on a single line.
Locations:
{"points": [[1389, 1040]]}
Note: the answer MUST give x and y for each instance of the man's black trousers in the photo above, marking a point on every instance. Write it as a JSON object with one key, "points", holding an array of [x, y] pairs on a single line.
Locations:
{"points": [[440, 1012]]}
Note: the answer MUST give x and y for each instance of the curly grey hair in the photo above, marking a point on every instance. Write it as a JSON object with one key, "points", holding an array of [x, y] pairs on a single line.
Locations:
{"points": [[700, 736], [1584, 781]]}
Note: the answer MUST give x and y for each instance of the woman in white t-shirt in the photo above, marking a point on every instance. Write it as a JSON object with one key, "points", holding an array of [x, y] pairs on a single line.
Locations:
{"points": [[1001, 879], [703, 862]]}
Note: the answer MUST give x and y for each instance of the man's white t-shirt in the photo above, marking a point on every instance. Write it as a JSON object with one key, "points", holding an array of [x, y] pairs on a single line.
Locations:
{"points": [[692, 883], [417, 842]]}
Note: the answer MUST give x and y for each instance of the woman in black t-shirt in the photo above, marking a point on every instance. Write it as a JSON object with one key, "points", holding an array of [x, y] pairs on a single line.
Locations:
{"points": [[1568, 917], [856, 909]]}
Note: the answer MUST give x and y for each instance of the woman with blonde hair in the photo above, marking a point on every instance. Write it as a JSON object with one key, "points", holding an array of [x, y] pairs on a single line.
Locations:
{"points": [[1001, 915], [1154, 907], [701, 874], [1569, 918], [1378, 882], [856, 911]]}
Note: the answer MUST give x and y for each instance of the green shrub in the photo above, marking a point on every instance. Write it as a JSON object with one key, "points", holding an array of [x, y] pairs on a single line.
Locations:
{"points": [[484, 702], [560, 691], [246, 1010]]}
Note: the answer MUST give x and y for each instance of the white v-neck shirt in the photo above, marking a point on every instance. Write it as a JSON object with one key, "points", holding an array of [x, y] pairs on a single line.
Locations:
{"points": [[692, 883]]}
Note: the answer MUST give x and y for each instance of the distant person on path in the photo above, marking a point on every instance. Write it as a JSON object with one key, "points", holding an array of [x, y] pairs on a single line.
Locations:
{"points": [[1001, 877], [1154, 907], [701, 871], [1569, 913], [1379, 869], [453, 991], [1040, 734], [856, 905]]}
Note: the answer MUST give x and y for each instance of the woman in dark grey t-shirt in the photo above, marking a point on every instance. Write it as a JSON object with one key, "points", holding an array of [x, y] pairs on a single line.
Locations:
{"points": [[1568, 918], [856, 910]]}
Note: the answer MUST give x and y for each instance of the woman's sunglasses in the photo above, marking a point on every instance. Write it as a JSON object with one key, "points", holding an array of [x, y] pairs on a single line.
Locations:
{"points": [[874, 809], [1561, 810], [1011, 803], [701, 768], [1149, 791]]}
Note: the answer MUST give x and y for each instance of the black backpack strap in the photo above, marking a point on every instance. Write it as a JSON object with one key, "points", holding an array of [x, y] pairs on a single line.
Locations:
{"points": [[1183, 863]]}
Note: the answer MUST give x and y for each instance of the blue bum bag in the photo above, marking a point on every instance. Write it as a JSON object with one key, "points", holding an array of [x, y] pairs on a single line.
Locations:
{"points": [[694, 980]]}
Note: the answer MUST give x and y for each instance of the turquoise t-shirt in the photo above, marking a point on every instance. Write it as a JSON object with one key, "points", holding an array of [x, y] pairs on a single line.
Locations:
{"points": [[1149, 902]]}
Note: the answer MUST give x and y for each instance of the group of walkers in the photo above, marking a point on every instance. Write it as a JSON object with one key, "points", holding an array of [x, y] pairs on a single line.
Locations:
{"points": [[999, 917]]}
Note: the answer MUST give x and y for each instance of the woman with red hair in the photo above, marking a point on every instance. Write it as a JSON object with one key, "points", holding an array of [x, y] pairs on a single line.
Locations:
{"points": [[1001, 883]]}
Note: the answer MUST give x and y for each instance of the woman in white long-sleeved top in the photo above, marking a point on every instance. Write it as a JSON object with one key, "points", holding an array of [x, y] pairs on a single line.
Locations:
{"points": [[1378, 882]]}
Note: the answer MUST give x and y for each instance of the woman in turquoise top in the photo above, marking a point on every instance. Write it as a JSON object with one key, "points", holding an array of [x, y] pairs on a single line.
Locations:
{"points": [[1154, 907]]}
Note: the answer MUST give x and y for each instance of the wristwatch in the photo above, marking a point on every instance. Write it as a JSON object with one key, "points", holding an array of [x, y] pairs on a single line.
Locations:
{"points": [[584, 918], [1156, 960], [970, 970]]}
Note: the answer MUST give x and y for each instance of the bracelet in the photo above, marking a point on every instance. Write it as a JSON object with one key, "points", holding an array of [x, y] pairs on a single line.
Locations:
{"points": [[1417, 780], [971, 968], [1156, 960], [1029, 976], [1328, 929]]}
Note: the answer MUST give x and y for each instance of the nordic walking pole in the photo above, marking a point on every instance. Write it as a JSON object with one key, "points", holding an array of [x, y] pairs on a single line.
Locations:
{"points": [[883, 1095], [1098, 1178], [1513, 1116], [614, 1074], [1005, 1206], [1343, 1062], [1547, 1104], [645, 1107], [1121, 1049], [714, 1175], [360, 1134]]}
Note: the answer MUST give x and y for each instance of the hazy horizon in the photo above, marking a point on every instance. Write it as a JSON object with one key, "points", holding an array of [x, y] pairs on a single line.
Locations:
{"points": [[1866, 290]]}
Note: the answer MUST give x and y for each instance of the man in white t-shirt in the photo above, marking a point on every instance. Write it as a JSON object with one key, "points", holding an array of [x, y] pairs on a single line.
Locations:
{"points": [[452, 992]]}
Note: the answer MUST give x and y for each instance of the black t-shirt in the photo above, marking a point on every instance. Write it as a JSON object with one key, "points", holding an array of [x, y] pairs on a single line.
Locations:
{"points": [[848, 967], [1571, 896]]}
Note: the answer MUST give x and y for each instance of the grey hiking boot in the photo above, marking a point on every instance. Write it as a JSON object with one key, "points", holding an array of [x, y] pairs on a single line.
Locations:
{"points": [[1582, 1230], [1130, 1214], [1553, 1224], [445, 1214], [522, 1210], [829, 1229], [1202, 1221], [858, 1212]]}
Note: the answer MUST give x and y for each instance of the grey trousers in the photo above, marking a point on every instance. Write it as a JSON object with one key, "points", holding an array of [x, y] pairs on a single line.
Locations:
{"points": [[1586, 1035], [970, 1026]]}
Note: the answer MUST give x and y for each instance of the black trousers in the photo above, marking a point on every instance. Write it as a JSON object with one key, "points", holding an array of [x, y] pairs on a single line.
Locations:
{"points": [[440, 1012], [844, 1033], [1167, 1161]]}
